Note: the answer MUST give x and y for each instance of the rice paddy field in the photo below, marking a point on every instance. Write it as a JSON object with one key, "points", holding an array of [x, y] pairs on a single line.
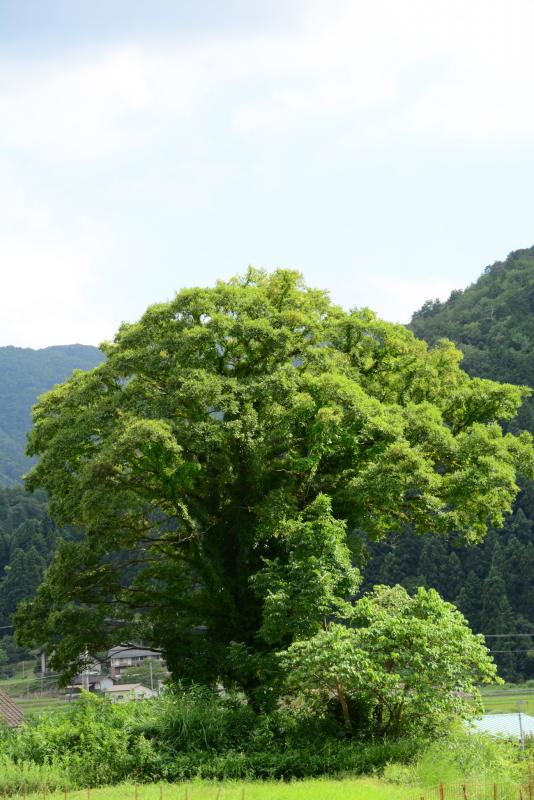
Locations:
{"points": [[506, 700], [25, 688]]}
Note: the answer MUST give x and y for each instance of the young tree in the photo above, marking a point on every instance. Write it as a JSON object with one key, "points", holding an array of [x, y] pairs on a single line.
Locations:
{"points": [[411, 662], [223, 428]]}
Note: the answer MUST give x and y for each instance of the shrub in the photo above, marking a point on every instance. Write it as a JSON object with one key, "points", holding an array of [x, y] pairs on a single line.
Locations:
{"points": [[184, 735]]}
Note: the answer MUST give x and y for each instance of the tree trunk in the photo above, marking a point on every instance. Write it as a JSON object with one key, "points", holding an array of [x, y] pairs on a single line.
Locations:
{"points": [[341, 696]]}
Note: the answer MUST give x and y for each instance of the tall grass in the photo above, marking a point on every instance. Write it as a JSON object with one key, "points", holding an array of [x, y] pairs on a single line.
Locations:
{"points": [[359, 789]]}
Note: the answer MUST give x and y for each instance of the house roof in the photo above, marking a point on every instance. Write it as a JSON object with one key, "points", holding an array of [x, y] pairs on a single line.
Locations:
{"points": [[121, 651], [127, 687], [10, 713], [517, 725]]}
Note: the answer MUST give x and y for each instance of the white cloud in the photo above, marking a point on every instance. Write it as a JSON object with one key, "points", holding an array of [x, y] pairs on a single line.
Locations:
{"points": [[430, 67], [429, 71], [442, 69], [47, 273], [92, 105], [482, 95]]}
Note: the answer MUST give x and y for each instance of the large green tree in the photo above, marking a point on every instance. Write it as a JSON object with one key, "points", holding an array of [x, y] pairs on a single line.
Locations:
{"points": [[222, 460]]}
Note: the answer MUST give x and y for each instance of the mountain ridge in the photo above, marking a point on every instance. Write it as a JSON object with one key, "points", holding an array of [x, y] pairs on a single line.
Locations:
{"points": [[25, 374], [492, 323]]}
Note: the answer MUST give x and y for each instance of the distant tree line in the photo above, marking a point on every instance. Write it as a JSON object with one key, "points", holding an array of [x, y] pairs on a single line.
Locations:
{"points": [[28, 539], [491, 583]]}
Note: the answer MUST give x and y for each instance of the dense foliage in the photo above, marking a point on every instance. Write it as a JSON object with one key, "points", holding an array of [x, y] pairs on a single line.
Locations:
{"points": [[492, 322], [27, 534], [491, 582], [181, 736], [223, 458], [26, 374]]}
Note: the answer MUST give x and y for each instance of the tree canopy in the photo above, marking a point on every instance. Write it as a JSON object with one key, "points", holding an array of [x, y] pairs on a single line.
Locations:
{"points": [[222, 460]]}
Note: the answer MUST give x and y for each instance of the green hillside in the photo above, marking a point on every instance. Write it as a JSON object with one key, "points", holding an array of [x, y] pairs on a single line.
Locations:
{"points": [[492, 322], [26, 374]]}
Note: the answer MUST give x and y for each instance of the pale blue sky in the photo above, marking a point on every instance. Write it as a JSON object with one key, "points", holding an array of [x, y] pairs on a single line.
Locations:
{"points": [[385, 149]]}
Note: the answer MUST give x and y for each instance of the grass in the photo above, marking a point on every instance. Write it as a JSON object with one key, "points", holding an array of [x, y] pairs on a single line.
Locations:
{"points": [[348, 789]]}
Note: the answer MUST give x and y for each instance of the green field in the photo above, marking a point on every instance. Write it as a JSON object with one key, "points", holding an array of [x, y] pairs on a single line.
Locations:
{"points": [[349, 789], [36, 704], [24, 688], [508, 700]]}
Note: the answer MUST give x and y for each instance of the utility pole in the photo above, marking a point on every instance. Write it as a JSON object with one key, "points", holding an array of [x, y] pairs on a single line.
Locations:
{"points": [[151, 674], [85, 672], [43, 669]]}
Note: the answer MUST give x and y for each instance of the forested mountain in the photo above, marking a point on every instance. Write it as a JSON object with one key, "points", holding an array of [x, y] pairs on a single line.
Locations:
{"points": [[27, 544], [25, 374], [492, 322], [27, 534]]}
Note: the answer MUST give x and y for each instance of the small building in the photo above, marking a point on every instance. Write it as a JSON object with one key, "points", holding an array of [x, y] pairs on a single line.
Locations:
{"points": [[90, 681], [10, 713], [122, 657], [514, 726], [124, 692]]}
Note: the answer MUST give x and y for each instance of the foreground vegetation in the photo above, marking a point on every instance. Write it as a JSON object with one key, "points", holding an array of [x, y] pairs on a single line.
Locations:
{"points": [[183, 736], [347, 789], [197, 736]]}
